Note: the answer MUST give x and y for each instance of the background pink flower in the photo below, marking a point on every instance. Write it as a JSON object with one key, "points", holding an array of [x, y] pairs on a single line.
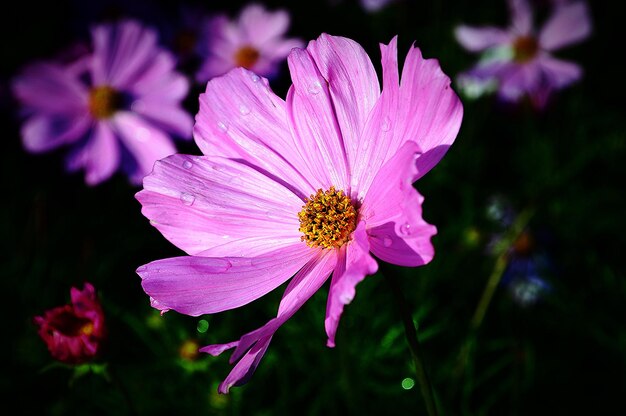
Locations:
{"points": [[299, 189], [518, 61], [74, 333], [114, 106], [255, 41]]}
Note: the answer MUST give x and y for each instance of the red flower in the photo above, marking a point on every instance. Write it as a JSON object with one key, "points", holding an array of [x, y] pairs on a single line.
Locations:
{"points": [[74, 333]]}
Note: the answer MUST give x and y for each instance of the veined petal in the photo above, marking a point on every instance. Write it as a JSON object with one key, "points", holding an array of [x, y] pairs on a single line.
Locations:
{"points": [[315, 124], [210, 205], [99, 156], [353, 264], [121, 52], [424, 109], [251, 347], [476, 39], [352, 83], [570, 23], [240, 117], [393, 213], [200, 285]]}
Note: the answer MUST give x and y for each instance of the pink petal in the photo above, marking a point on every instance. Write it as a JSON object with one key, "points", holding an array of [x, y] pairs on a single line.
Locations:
{"points": [[260, 25], [159, 80], [145, 142], [251, 347], [50, 88], [99, 157], [521, 17], [559, 73], [315, 124], [240, 117], [569, 24], [212, 67], [213, 206], [170, 117], [423, 109], [277, 50], [476, 39], [41, 133], [121, 51], [195, 285], [393, 213], [353, 265], [352, 82]]}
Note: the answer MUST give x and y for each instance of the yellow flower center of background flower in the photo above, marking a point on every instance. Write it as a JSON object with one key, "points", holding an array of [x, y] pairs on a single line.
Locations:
{"points": [[525, 48], [104, 101], [246, 57], [87, 329], [327, 219]]}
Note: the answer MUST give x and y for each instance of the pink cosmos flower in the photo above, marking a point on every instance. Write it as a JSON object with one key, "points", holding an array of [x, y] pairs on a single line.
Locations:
{"points": [[518, 61], [308, 187], [74, 333], [254, 41], [113, 106]]}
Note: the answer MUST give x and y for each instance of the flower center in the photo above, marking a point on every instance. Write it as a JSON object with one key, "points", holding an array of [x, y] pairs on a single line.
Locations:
{"points": [[68, 324], [246, 57], [104, 101], [525, 48], [327, 219]]}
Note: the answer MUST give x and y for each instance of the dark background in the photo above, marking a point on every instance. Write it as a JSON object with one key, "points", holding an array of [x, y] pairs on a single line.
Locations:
{"points": [[563, 354]]}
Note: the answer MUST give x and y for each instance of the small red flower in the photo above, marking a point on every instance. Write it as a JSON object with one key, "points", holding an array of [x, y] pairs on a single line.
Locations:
{"points": [[74, 333]]}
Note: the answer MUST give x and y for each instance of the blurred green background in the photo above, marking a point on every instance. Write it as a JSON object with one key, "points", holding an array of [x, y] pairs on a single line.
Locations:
{"points": [[556, 345]]}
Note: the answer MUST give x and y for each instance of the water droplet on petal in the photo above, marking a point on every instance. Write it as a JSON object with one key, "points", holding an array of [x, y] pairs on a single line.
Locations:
{"points": [[255, 78], [222, 126], [386, 124], [315, 88], [244, 110], [187, 198], [405, 229], [187, 164], [387, 241]]}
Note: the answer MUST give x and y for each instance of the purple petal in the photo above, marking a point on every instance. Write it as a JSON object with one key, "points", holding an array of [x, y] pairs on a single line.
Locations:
{"points": [[240, 117], [315, 124], [393, 213], [145, 142], [352, 82], [521, 17], [569, 24], [260, 25], [170, 117], [212, 206], [99, 156], [41, 133], [476, 39], [50, 88], [559, 73], [200, 285], [518, 80], [353, 265], [423, 109], [251, 347]]}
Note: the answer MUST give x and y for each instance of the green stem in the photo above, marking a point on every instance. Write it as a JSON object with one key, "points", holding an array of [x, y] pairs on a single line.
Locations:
{"points": [[413, 341]]}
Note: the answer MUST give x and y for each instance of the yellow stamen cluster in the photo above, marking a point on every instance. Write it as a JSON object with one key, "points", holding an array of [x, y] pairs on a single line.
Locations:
{"points": [[525, 48], [327, 219], [246, 56], [104, 101], [87, 329]]}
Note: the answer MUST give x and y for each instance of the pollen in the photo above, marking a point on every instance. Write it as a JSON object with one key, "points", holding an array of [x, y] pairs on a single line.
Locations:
{"points": [[246, 56], [104, 101], [525, 48], [327, 219]]}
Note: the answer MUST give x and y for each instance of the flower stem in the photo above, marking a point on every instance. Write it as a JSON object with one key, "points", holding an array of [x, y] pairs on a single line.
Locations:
{"points": [[413, 341]]}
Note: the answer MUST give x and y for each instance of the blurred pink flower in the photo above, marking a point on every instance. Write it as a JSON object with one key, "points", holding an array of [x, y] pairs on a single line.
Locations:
{"points": [[254, 41], [517, 61], [310, 186], [74, 333], [113, 105]]}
